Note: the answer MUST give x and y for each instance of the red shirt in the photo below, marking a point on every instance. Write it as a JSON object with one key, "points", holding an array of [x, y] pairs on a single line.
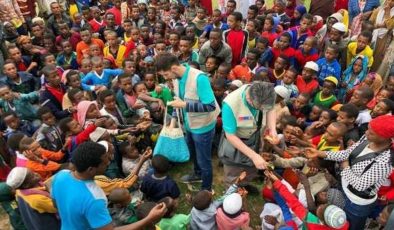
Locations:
{"points": [[270, 36], [302, 59], [117, 14], [73, 39], [306, 87], [236, 40], [96, 25], [21, 66]]}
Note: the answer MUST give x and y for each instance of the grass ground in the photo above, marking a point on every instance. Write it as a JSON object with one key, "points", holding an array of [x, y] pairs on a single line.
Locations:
{"points": [[254, 205]]}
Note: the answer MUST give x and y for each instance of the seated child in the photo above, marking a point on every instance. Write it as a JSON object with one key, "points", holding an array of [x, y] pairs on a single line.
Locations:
{"points": [[131, 157], [211, 65], [306, 82], [108, 101], [280, 66], [299, 106], [15, 124], [360, 47], [67, 59], [73, 79], [262, 45], [20, 103], [326, 98], [48, 134], [282, 47], [384, 93], [13, 144], [245, 70], [159, 185], [282, 96], [171, 220], [231, 215], [86, 66], [327, 116], [203, 213], [77, 134], [157, 91], [288, 81], [144, 210], [114, 49], [130, 66], [41, 161], [120, 207], [99, 78], [324, 217]]}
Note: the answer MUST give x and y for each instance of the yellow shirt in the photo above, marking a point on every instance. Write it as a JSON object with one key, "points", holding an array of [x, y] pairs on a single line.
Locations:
{"points": [[119, 56], [110, 184], [73, 10], [38, 202], [351, 53]]}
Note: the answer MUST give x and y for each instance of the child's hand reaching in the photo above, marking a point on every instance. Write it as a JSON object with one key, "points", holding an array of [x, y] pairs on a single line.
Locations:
{"points": [[32, 156], [271, 220], [147, 154], [241, 177], [158, 89], [271, 175], [295, 151], [100, 121]]}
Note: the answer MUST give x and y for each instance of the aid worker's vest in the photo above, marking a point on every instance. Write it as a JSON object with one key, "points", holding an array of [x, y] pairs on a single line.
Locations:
{"points": [[196, 120], [246, 123]]}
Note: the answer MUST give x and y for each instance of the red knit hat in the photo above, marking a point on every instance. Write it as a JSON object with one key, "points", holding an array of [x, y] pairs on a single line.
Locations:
{"points": [[383, 126]]}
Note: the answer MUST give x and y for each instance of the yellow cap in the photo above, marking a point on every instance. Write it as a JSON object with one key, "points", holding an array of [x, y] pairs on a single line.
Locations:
{"points": [[332, 79]]}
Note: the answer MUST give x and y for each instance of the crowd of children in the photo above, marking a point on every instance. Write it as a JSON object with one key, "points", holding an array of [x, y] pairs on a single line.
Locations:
{"points": [[86, 73]]}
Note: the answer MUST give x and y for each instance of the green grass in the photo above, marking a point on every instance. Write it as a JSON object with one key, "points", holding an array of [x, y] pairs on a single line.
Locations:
{"points": [[254, 205]]}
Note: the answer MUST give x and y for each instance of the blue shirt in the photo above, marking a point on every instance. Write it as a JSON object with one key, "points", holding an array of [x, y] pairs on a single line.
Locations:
{"points": [[228, 118], [223, 26], [92, 78], [158, 188], [81, 204], [204, 92], [328, 69]]}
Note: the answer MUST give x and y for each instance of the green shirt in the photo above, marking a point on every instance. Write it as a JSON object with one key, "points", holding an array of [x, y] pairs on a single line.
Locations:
{"points": [[177, 222], [324, 102]]}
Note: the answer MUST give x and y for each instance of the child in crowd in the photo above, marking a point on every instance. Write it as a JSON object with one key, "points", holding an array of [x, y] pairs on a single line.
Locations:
{"points": [[326, 98], [329, 66], [262, 44], [280, 66], [288, 82], [41, 161], [347, 115], [48, 134], [114, 49], [203, 213], [236, 38], [67, 59], [306, 82], [99, 78], [21, 104], [14, 125], [269, 30], [245, 70], [158, 185], [360, 47], [305, 53], [131, 157]]}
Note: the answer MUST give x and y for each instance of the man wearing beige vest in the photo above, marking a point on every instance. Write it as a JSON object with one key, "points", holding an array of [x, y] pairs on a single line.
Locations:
{"points": [[245, 112], [195, 98]]}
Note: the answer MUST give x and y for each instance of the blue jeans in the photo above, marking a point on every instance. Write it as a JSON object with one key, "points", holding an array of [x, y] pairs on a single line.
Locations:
{"points": [[357, 214], [200, 147]]}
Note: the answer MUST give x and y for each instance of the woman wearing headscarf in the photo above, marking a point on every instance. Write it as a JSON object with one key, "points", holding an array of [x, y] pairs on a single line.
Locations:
{"points": [[354, 74], [383, 19], [360, 10], [297, 15], [365, 167]]}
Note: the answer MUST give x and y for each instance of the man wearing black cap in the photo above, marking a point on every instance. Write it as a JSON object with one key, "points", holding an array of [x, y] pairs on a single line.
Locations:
{"points": [[244, 112]]}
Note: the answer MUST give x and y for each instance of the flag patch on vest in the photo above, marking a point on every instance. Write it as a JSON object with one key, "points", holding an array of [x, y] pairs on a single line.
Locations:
{"points": [[245, 118]]}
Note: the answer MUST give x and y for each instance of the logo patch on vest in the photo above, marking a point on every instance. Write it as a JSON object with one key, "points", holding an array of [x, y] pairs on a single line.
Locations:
{"points": [[245, 118]]}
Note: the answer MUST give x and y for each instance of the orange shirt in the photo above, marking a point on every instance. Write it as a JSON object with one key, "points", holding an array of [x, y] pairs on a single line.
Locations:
{"points": [[47, 170], [83, 48], [241, 72]]}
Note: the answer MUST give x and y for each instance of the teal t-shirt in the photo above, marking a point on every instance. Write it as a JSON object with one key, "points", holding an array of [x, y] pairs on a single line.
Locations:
{"points": [[204, 92], [228, 118]]}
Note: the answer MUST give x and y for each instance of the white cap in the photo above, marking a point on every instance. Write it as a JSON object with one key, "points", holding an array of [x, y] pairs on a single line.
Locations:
{"points": [[105, 144], [16, 177], [337, 16], [282, 92], [237, 83], [340, 27], [232, 203], [312, 65]]}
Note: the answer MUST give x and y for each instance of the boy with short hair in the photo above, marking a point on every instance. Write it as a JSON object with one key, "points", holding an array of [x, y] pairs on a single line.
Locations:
{"points": [[187, 54], [360, 47], [347, 115], [159, 185], [40, 160], [16, 125], [20, 103], [360, 98], [245, 70], [306, 82], [325, 97], [21, 82], [99, 78], [336, 37], [301, 32], [48, 135], [329, 65], [236, 38], [331, 140]]}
